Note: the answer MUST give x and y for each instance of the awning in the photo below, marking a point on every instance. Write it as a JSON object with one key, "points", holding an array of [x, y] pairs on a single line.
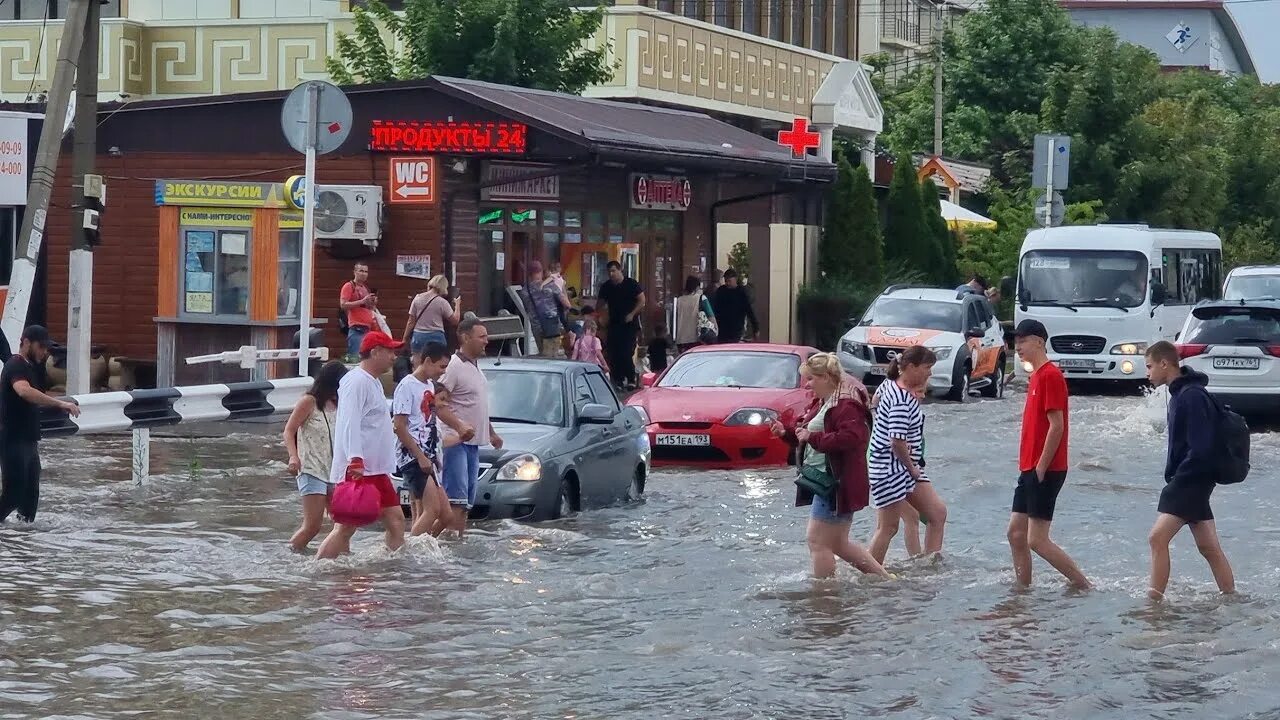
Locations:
{"points": [[633, 132], [959, 219]]}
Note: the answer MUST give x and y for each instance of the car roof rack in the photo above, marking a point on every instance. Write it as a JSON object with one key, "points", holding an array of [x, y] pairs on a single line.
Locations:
{"points": [[906, 286]]}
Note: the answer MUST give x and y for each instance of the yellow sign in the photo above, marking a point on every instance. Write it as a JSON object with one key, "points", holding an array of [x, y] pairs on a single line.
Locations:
{"points": [[205, 217], [216, 193], [290, 221]]}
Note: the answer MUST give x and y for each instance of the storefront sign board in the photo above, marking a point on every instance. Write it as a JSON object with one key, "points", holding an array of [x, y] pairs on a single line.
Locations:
{"points": [[414, 266], [216, 193], [13, 161], [542, 189], [412, 180], [212, 217], [661, 192], [429, 136]]}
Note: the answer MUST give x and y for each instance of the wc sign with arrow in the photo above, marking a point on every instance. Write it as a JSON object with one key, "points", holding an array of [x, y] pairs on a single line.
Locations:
{"points": [[412, 180]]}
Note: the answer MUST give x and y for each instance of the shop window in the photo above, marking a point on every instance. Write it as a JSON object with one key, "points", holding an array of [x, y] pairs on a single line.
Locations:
{"points": [[290, 282], [665, 220], [595, 272], [215, 278], [638, 221], [617, 237], [572, 219], [595, 220], [551, 246], [550, 218]]}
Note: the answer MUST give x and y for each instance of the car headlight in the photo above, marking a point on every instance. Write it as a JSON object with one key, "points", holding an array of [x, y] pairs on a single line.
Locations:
{"points": [[942, 352], [855, 349], [523, 467], [752, 416], [1129, 349]]}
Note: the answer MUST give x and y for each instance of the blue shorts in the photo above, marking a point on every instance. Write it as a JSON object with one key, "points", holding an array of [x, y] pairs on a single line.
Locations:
{"points": [[824, 511], [423, 338], [462, 474], [312, 485]]}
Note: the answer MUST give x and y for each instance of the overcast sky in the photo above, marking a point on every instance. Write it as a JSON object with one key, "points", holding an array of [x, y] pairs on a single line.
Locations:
{"points": [[1256, 20]]}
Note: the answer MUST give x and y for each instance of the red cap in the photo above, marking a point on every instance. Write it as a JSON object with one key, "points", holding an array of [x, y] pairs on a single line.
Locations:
{"points": [[377, 339]]}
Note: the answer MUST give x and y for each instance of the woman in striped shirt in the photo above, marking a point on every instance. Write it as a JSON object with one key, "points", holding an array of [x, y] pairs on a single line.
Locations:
{"points": [[896, 461]]}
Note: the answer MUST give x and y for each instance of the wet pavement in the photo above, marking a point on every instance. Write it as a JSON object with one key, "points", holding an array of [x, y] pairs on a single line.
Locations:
{"points": [[180, 598]]}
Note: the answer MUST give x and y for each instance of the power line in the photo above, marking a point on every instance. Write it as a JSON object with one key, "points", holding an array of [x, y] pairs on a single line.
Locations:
{"points": [[44, 26]]}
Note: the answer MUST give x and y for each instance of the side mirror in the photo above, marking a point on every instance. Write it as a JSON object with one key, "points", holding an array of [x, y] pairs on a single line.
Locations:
{"points": [[1007, 285], [595, 414], [648, 379]]}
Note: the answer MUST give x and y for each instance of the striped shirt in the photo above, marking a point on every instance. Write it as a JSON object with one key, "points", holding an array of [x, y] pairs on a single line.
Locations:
{"points": [[898, 417]]}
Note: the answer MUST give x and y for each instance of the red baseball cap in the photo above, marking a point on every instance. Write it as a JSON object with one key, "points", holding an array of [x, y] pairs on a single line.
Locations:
{"points": [[377, 339]]}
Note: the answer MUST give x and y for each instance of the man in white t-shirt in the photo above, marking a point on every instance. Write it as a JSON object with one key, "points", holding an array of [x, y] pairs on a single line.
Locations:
{"points": [[364, 443]]}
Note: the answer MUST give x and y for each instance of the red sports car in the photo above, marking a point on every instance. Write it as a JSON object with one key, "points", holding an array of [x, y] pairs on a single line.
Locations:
{"points": [[714, 406]]}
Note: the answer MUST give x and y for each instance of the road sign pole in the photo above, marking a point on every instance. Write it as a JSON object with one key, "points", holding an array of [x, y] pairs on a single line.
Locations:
{"points": [[1048, 185], [308, 232]]}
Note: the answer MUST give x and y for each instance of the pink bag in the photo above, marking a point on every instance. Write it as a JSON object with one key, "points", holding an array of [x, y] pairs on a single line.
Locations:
{"points": [[355, 502]]}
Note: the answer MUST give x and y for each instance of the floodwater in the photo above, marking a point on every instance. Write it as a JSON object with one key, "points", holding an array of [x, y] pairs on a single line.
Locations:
{"points": [[179, 599]]}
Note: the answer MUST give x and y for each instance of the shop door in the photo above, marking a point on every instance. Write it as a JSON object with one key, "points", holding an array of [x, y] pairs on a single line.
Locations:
{"points": [[659, 254], [519, 255]]}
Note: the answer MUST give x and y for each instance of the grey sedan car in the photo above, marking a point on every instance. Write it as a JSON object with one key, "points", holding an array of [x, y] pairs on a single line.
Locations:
{"points": [[568, 443]]}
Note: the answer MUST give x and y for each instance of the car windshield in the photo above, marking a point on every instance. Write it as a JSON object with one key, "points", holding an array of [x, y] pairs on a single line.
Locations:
{"points": [[1252, 287], [1083, 277], [1234, 326], [524, 396], [730, 368], [914, 314]]}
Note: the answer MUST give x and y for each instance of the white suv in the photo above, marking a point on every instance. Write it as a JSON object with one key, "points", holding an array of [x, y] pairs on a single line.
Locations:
{"points": [[1252, 282], [1237, 344], [959, 327]]}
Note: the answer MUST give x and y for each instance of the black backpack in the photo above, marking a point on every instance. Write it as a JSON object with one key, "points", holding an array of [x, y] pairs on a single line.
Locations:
{"points": [[1233, 435]]}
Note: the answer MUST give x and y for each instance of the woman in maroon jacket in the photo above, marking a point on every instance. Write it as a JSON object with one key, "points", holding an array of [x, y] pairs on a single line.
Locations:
{"points": [[835, 437]]}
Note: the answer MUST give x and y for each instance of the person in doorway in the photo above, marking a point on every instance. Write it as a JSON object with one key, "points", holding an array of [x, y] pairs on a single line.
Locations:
{"points": [[466, 410], [836, 447], [1042, 460], [415, 419], [545, 304], [22, 394], [359, 303], [1189, 471], [658, 349], [896, 462], [624, 300], [588, 348], [695, 318], [364, 443], [977, 285], [308, 438], [733, 308], [430, 313]]}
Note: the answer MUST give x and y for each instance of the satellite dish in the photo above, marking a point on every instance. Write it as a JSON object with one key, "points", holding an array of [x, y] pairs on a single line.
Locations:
{"points": [[331, 212]]}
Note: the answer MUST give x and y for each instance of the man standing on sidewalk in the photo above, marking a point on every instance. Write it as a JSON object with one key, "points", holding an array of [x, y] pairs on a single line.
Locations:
{"points": [[21, 397], [1042, 459], [364, 442], [466, 410], [358, 302], [624, 299], [733, 309]]}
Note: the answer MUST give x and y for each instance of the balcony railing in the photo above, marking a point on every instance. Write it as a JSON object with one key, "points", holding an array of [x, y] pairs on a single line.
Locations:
{"points": [[898, 27]]}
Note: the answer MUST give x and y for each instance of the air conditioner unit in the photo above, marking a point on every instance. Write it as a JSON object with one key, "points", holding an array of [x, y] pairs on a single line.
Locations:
{"points": [[349, 212]]}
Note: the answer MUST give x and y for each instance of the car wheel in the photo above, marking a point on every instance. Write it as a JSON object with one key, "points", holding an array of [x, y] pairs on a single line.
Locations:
{"points": [[959, 383], [635, 492], [567, 499], [996, 388]]}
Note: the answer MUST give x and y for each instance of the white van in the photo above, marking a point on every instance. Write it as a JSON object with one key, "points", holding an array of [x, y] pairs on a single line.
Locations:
{"points": [[1107, 292]]}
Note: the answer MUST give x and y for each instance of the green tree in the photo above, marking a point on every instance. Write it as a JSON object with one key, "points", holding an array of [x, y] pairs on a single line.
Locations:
{"points": [[528, 43], [1252, 244], [942, 256], [907, 238], [852, 249], [740, 260]]}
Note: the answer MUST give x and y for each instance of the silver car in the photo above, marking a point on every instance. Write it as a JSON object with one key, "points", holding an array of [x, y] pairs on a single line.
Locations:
{"points": [[568, 443], [1237, 344]]}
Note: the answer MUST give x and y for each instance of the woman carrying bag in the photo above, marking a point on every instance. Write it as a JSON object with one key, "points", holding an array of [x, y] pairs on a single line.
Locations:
{"points": [[833, 469], [695, 320], [430, 313]]}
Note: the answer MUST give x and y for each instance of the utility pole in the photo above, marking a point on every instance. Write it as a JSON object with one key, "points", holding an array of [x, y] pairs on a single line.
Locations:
{"points": [[937, 80], [31, 237], [84, 187]]}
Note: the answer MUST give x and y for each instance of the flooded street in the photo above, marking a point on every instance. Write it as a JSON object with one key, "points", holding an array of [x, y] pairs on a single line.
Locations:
{"points": [[180, 599]]}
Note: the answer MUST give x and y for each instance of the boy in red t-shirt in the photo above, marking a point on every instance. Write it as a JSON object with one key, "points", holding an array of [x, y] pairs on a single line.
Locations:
{"points": [[1042, 460]]}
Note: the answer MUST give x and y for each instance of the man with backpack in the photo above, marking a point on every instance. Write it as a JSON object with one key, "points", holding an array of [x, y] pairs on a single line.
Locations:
{"points": [[1204, 449]]}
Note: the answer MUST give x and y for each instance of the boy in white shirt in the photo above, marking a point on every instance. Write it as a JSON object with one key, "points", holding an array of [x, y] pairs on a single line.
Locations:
{"points": [[415, 416]]}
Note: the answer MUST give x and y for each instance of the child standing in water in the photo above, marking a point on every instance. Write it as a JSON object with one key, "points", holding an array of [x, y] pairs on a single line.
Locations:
{"points": [[414, 418], [308, 438]]}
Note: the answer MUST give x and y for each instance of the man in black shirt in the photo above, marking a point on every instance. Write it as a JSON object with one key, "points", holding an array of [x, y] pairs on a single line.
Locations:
{"points": [[22, 393], [733, 308], [624, 299]]}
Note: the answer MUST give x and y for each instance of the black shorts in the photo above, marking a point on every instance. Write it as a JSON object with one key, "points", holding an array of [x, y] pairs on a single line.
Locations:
{"points": [[1036, 498], [1187, 500], [415, 480]]}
